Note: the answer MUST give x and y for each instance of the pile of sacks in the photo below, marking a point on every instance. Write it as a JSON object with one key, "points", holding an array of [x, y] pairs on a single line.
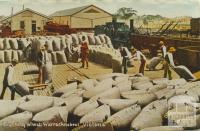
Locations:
{"points": [[133, 102], [12, 48], [62, 48], [109, 57]]}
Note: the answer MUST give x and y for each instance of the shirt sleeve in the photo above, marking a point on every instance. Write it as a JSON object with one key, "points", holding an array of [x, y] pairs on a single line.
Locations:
{"points": [[10, 75]]}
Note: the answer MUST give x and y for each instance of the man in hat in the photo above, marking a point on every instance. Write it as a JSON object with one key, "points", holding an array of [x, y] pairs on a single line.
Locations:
{"points": [[8, 79], [163, 48], [41, 62], [124, 55], [169, 60], [137, 54], [163, 51]]}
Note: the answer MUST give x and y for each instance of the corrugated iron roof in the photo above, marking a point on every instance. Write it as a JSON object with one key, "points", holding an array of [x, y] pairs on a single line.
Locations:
{"points": [[69, 12]]}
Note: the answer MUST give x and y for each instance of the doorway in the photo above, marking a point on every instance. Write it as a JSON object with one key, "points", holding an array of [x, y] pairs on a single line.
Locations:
{"points": [[33, 26]]}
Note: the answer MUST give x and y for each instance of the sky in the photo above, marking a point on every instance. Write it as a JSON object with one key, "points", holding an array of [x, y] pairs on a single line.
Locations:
{"points": [[167, 8]]}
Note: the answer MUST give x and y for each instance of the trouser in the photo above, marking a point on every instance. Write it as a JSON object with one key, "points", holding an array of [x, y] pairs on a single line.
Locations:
{"points": [[84, 59], [12, 89], [41, 75], [124, 65], [142, 65], [167, 71]]}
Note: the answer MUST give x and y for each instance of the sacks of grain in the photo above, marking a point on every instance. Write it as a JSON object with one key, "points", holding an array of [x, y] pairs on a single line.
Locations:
{"points": [[54, 58], [56, 44], [135, 79], [13, 43], [116, 65], [156, 88], [63, 43], [71, 103], [76, 92], [164, 128], [97, 40], [20, 55], [112, 93], [98, 115], [65, 89], [23, 43], [75, 39], [158, 105], [7, 108], [160, 81], [142, 99], [15, 55], [91, 39], [124, 117], [165, 93], [124, 86], [85, 108], [2, 57], [88, 84], [142, 85], [1, 44], [20, 119], [49, 44], [181, 99], [147, 119], [101, 87], [34, 106], [177, 82], [6, 44], [48, 73], [102, 38], [184, 72], [61, 57], [22, 88], [117, 104], [8, 56], [51, 114], [153, 63]]}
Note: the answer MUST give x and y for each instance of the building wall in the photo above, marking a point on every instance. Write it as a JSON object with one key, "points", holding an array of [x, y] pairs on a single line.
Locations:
{"points": [[64, 20], [28, 17], [87, 18]]}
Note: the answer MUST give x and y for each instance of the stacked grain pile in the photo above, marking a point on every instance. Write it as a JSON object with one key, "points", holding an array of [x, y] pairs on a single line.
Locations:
{"points": [[126, 102], [12, 48]]}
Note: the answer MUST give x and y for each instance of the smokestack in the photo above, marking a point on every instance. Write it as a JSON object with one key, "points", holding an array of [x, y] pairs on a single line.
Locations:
{"points": [[131, 24], [114, 20]]}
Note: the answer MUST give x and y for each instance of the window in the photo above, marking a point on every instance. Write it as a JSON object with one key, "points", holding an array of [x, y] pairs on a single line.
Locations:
{"points": [[22, 25]]}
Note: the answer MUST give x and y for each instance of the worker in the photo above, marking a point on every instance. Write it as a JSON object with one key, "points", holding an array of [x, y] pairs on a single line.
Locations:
{"points": [[8, 80], [84, 52], [124, 55], [138, 55], [163, 48], [41, 62], [169, 61]]}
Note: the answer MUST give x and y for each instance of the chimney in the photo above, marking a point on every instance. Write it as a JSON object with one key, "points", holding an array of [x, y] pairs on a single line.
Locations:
{"points": [[131, 24]]}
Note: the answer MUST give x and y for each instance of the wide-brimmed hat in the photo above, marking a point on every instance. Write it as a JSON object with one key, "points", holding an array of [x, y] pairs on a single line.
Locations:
{"points": [[172, 49], [133, 49], [161, 43]]}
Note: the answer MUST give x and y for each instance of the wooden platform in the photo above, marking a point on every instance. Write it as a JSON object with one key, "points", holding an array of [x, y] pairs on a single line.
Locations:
{"points": [[62, 73]]}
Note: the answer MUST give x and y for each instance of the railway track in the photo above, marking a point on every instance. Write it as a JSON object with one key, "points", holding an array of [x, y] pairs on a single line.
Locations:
{"points": [[77, 71]]}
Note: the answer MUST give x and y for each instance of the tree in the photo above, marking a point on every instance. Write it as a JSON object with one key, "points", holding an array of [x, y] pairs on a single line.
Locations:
{"points": [[125, 13]]}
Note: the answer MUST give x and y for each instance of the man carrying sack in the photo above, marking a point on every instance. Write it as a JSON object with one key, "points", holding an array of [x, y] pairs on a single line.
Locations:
{"points": [[8, 80], [169, 61]]}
